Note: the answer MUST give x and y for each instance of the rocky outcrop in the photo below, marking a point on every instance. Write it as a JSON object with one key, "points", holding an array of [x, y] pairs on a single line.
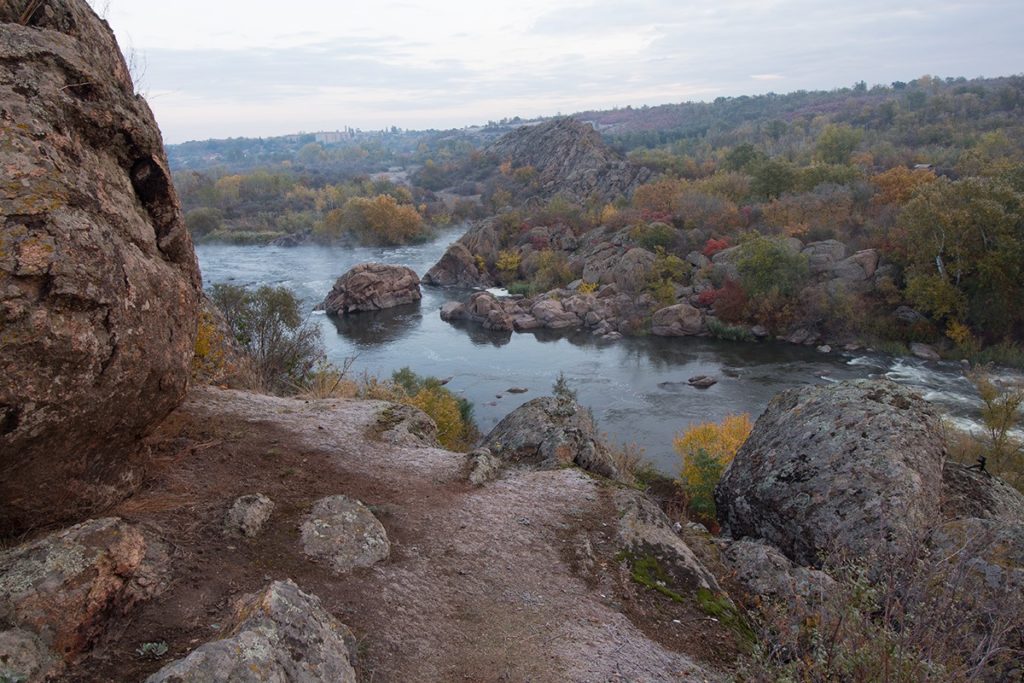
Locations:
{"points": [[99, 286], [457, 268], [646, 537], [767, 574], [841, 469], [548, 433], [482, 308], [987, 557], [57, 593], [571, 159], [681, 320], [280, 634], [248, 514], [343, 533], [373, 287], [969, 493]]}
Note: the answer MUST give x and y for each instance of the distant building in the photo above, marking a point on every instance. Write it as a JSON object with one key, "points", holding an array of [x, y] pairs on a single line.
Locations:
{"points": [[333, 138]]}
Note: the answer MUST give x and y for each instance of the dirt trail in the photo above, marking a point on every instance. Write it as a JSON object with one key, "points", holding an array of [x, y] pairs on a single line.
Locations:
{"points": [[511, 582]]}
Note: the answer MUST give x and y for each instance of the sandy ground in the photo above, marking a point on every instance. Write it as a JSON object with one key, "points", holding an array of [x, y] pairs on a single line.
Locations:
{"points": [[515, 581]]}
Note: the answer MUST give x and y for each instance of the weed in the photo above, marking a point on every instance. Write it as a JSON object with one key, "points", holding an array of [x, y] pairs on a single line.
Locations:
{"points": [[152, 650]]}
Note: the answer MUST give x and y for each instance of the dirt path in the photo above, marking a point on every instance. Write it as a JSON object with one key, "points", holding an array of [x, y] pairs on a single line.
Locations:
{"points": [[511, 582]]}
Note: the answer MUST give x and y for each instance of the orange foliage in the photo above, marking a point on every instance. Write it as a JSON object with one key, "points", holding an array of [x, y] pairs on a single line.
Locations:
{"points": [[898, 185]]}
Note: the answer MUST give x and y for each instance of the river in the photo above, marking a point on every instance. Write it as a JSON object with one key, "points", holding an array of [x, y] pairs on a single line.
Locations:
{"points": [[636, 387]]}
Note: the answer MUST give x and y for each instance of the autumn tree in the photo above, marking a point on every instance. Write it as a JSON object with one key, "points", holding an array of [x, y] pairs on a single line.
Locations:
{"points": [[963, 246], [378, 220], [836, 143], [705, 450]]}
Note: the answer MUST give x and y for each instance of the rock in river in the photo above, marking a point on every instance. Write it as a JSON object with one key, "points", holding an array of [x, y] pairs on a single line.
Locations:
{"points": [[373, 287]]}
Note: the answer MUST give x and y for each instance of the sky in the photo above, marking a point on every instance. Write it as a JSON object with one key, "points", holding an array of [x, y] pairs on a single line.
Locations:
{"points": [[223, 68]]}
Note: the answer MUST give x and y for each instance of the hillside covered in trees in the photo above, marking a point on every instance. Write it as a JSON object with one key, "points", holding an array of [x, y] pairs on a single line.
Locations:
{"points": [[929, 174]]}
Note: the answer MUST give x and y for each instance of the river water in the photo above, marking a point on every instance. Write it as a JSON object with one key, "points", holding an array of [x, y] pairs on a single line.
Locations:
{"points": [[636, 387]]}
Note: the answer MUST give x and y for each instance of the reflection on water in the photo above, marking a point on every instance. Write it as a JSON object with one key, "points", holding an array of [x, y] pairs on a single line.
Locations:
{"points": [[636, 386], [377, 328]]}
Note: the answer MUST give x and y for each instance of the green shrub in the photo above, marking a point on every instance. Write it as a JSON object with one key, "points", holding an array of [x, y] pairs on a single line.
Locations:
{"points": [[269, 326], [721, 330]]}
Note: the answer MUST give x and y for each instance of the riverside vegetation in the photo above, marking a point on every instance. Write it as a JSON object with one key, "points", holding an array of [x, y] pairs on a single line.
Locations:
{"points": [[934, 163], [159, 528]]}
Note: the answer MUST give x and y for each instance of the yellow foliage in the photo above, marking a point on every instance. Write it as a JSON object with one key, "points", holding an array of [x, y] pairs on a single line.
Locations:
{"points": [[508, 262], [608, 214], [443, 409], [481, 264], [721, 441], [587, 288], [960, 334]]}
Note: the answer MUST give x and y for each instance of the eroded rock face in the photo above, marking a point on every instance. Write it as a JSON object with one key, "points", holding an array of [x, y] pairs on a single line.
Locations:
{"points": [[57, 593], [280, 634], [373, 287], [839, 468], [343, 533], [457, 268], [99, 285], [570, 158], [550, 432]]}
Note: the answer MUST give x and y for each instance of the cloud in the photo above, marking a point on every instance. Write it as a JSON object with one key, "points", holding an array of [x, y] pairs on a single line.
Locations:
{"points": [[417, 65]]}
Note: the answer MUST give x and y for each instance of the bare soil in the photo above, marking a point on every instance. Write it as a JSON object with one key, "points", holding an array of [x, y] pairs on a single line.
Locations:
{"points": [[514, 581]]}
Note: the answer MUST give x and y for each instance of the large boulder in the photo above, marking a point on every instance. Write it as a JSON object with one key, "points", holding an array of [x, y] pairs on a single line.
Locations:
{"points": [[457, 268], [57, 593], [551, 432], [99, 286], [482, 308], [823, 256], [552, 314], [279, 634], [843, 468], [681, 320], [373, 287], [632, 271]]}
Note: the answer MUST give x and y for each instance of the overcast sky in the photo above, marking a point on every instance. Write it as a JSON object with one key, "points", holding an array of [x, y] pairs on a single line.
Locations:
{"points": [[224, 68]]}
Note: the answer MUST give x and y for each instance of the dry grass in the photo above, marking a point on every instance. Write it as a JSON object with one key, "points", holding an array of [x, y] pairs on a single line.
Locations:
{"points": [[903, 616]]}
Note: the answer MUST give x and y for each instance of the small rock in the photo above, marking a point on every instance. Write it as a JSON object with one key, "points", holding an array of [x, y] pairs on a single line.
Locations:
{"points": [[824, 348], [280, 634], [759, 331], [248, 514], [345, 534], [517, 390], [702, 382], [924, 351], [483, 467]]}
